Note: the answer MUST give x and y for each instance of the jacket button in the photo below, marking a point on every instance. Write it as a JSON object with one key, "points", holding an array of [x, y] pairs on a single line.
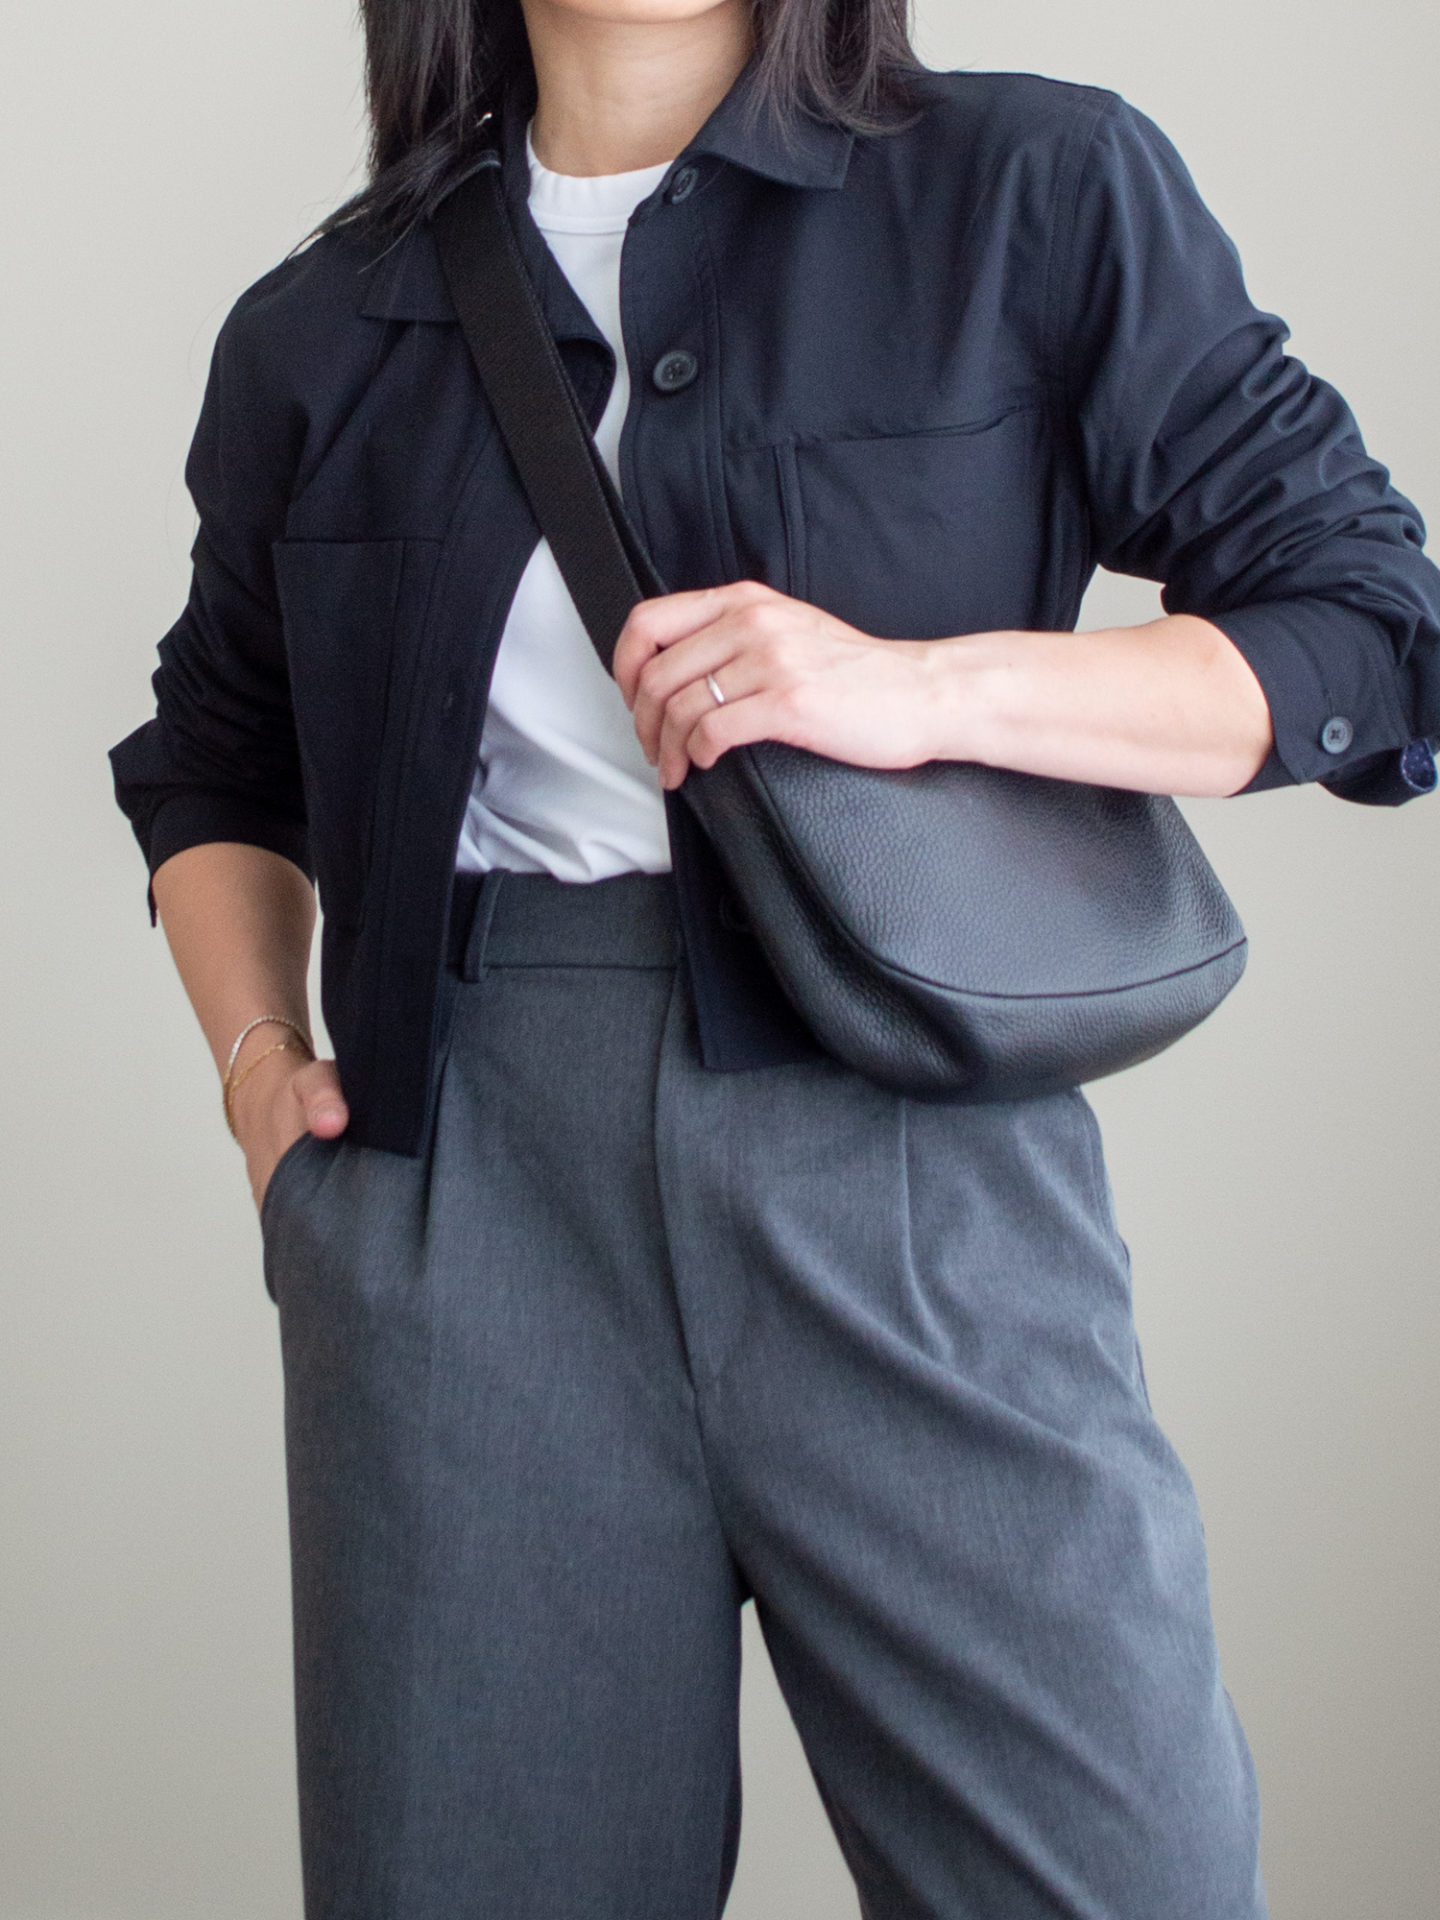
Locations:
{"points": [[675, 370], [1336, 734], [683, 185]]}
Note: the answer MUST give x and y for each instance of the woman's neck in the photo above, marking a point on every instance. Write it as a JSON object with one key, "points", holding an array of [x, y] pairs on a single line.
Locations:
{"points": [[615, 95]]}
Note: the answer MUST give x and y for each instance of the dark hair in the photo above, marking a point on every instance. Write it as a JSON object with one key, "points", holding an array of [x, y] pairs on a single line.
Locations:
{"points": [[435, 68]]}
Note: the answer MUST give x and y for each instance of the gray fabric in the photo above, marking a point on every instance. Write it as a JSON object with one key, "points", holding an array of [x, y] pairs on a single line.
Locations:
{"points": [[634, 1340]]}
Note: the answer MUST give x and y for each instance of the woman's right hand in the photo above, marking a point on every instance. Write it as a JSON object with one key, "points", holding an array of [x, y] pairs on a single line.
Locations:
{"points": [[283, 1097]]}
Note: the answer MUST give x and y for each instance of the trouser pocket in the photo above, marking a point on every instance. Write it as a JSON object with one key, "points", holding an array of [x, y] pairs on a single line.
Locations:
{"points": [[280, 1191]]}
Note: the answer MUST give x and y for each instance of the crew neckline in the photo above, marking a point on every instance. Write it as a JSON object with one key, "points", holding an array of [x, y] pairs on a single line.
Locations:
{"points": [[587, 203]]}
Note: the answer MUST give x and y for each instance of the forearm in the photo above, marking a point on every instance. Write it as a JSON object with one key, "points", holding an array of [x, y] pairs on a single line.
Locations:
{"points": [[1170, 707], [239, 921]]}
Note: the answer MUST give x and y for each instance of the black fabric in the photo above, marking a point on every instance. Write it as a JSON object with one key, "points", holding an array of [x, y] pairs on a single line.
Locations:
{"points": [[941, 374]]}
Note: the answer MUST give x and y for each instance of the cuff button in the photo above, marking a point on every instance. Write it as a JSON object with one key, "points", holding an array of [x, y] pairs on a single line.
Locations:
{"points": [[1336, 734]]}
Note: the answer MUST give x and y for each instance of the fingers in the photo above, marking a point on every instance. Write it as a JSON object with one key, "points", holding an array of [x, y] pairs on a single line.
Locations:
{"points": [[766, 715], [687, 712], [669, 676], [317, 1088], [656, 625], [786, 671], [751, 637]]}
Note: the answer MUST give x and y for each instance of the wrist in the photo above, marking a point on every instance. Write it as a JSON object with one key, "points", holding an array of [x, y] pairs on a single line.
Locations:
{"points": [[968, 684], [260, 1075], [260, 1033], [256, 1041]]}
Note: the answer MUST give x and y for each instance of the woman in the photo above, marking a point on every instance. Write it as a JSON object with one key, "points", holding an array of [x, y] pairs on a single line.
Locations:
{"points": [[606, 1299]]}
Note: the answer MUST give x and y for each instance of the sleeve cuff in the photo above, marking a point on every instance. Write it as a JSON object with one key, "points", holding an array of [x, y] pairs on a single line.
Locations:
{"points": [[1327, 672], [195, 819], [1391, 778]]}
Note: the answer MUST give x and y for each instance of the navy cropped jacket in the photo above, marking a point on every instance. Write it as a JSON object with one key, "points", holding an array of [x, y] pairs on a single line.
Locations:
{"points": [[933, 378]]}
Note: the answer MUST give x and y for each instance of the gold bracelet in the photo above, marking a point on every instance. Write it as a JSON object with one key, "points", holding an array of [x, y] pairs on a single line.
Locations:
{"points": [[232, 1087], [264, 1020], [228, 1081]]}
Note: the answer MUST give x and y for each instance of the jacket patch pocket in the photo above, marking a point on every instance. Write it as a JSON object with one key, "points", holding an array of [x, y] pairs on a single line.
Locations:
{"points": [[352, 611], [921, 535]]}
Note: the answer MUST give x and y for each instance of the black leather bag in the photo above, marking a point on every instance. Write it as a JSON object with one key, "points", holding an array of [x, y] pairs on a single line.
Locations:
{"points": [[954, 930]]}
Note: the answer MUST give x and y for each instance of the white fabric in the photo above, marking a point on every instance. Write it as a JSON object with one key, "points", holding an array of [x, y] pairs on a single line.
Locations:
{"points": [[562, 786]]}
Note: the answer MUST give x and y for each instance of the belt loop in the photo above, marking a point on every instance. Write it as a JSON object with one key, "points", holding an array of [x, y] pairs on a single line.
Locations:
{"points": [[474, 962]]}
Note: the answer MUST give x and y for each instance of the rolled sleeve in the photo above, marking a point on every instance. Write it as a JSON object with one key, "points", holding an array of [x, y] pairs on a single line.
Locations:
{"points": [[1329, 678], [1218, 465], [220, 759]]}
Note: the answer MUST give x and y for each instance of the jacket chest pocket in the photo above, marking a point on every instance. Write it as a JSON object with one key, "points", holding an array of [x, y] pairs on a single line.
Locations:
{"points": [[352, 611], [910, 535]]}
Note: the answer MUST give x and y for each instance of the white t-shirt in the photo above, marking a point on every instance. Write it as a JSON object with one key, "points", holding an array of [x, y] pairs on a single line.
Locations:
{"points": [[562, 786]]}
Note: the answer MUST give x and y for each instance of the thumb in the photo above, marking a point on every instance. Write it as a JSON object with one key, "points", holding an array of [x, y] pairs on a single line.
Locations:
{"points": [[317, 1087]]}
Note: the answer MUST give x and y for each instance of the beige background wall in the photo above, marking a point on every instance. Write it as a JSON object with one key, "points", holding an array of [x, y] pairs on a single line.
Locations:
{"points": [[1276, 1175]]}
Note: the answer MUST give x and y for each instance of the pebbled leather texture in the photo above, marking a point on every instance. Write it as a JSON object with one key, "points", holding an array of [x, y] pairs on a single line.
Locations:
{"points": [[959, 930]]}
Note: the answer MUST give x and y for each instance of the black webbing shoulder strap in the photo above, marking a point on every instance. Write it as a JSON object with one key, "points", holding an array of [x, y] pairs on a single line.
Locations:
{"points": [[566, 482], [745, 1019]]}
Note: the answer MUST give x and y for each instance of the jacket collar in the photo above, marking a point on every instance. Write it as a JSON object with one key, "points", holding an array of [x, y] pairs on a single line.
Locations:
{"points": [[406, 281], [799, 151]]}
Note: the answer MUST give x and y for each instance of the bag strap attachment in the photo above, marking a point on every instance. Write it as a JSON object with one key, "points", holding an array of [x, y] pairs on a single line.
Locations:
{"points": [[571, 494]]}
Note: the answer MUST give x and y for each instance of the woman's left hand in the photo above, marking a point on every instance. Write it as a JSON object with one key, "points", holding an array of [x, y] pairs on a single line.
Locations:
{"points": [[787, 671]]}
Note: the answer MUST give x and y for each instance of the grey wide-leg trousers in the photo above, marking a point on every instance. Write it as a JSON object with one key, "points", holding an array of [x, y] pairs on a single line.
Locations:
{"points": [[635, 1341]]}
